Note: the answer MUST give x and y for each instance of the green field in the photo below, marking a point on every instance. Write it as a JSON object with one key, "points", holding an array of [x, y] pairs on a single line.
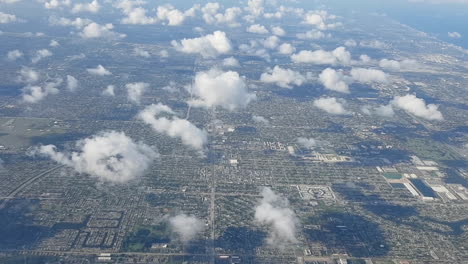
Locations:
{"points": [[392, 175]]}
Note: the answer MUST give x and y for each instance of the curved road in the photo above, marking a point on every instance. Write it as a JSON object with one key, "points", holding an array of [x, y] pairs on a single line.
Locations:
{"points": [[25, 184]]}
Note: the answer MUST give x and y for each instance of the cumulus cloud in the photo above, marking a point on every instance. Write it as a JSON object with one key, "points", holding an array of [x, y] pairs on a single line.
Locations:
{"points": [[285, 78], [186, 227], [28, 75], [260, 120], [174, 127], [78, 22], [9, 1], [278, 31], [99, 70], [312, 34], [41, 54], [218, 88], [109, 91], [53, 4], [7, 18], [141, 52], [135, 15], [307, 142], [334, 80], [417, 107], [273, 211], [173, 16], [255, 7], [94, 30], [338, 56], [136, 90], [271, 42], [34, 93], [257, 29], [92, 7], [454, 35], [363, 75], [330, 105], [14, 55], [54, 43], [72, 83], [231, 62], [211, 15], [109, 156], [404, 65], [208, 46], [319, 19], [374, 44], [286, 49], [339, 82]]}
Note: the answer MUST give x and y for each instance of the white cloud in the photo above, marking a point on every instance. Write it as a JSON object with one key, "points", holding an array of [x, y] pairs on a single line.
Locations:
{"points": [[286, 49], [137, 16], [404, 65], [72, 83], [9, 1], [374, 44], [260, 120], [92, 7], [212, 16], [173, 16], [78, 22], [334, 80], [164, 54], [141, 52], [307, 142], [28, 75], [53, 4], [94, 30], [363, 75], [257, 29], [99, 70], [231, 62], [7, 18], [218, 88], [109, 91], [454, 35], [34, 94], [350, 43], [255, 7], [109, 156], [278, 31], [312, 34], [14, 55], [271, 42], [136, 90], [274, 211], [330, 105], [339, 82], [338, 56], [319, 19], [417, 106], [186, 227], [285, 78], [54, 43], [175, 127], [208, 46], [41, 54]]}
